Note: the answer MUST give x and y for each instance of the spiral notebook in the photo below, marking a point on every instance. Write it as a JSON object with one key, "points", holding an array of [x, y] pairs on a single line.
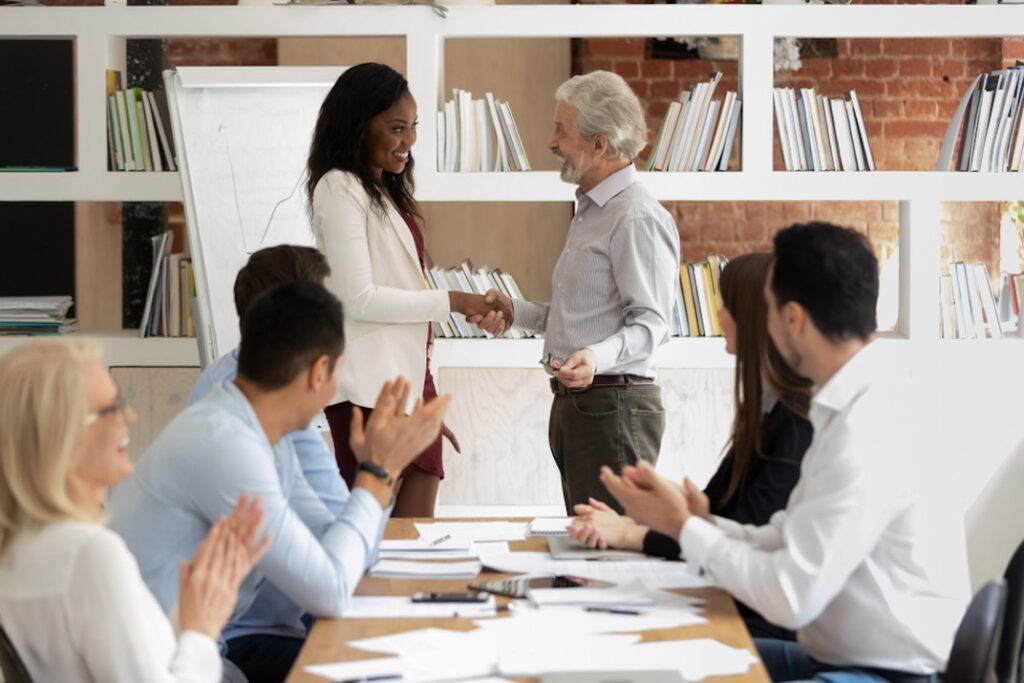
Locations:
{"points": [[549, 526]]}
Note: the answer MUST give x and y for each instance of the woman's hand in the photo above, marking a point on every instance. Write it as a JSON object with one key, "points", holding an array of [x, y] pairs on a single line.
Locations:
{"points": [[598, 526], [208, 585], [697, 501], [450, 435]]}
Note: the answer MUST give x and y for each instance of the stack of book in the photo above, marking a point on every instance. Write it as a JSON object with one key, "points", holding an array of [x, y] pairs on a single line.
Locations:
{"points": [[170, 295], [466, 278], [36, 315], [478, 135], [987, 130], [138, 128], [967, 305], [696, 301], [1011, 293], [819, 133], [698, 131]]}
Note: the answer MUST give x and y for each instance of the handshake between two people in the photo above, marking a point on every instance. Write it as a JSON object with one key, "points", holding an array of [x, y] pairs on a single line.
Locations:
{"points": [[491, 312], [391, 439]]}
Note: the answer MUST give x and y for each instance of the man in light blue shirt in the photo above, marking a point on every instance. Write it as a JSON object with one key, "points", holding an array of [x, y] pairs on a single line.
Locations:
{"points": [[232, 442]]}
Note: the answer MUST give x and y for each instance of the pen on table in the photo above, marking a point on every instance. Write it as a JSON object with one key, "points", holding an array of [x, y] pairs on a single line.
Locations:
{"points": [[439, 541], [609, 610]]}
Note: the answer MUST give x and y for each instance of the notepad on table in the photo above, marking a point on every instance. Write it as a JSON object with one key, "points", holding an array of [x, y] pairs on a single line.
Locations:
{"points": [[549, 526], [399, 569]]}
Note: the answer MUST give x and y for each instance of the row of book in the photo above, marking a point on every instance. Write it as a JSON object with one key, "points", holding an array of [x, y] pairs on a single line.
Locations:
{"points": [[1011, 294], [478, 135], [138, 128], [36, 315], [466, 278], [821, 133], [696, 301], [170, 294], [967, 304], [698, 131], [992, 136]]}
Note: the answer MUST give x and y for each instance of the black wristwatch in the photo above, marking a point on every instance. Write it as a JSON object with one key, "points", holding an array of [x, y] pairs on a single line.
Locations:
{"points": [[375, 470]]}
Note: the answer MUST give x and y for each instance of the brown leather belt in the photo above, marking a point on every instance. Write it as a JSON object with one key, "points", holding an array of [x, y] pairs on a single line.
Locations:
{"points": [[600, 381]]}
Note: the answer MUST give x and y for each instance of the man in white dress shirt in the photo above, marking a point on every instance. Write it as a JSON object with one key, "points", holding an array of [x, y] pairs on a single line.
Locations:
{"points": [[612, 291], [869, 571]]}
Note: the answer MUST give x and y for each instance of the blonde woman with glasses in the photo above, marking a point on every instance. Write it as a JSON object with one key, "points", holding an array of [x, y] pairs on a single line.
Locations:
{"points": [[72, 600]]}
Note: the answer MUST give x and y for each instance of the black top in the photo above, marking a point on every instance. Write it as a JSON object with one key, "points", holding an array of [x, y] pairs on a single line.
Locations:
{"points": [[768, 482]]}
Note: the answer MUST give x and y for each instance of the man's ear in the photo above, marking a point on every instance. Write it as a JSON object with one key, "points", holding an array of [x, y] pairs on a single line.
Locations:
{"points": [[319, 372], [600, 145], [795, 318]]}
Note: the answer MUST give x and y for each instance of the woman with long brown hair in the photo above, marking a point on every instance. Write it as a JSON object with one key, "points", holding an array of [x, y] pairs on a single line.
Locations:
{"points": [[770, 432]]}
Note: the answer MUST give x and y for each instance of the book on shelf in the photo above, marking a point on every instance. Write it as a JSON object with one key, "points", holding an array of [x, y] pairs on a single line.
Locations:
{"points": [[138, 129], [967, 304], [698, 130], [986, 133], [170, 294], [818, 132], [478, 135], [466, 278], [36, 316], [695, 306]]}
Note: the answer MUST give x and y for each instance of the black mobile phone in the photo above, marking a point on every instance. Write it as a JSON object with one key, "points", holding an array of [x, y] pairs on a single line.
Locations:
{"points": [[518, 586], [471, 596]]}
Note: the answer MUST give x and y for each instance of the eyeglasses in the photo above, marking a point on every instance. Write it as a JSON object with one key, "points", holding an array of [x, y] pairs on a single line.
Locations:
{"points": [[549, 360], [118, 406]]}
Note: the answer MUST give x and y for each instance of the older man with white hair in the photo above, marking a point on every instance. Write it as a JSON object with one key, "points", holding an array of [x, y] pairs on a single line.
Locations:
{"points": [[612, 292]]}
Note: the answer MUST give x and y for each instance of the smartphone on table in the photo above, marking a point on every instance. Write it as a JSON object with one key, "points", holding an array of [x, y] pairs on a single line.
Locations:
{"points": [[516, 587], [468, 596]]}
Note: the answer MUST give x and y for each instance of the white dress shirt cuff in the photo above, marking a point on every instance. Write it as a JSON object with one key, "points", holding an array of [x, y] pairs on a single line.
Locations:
{"points": [[197, 653], [696, 539], [606, 353]]}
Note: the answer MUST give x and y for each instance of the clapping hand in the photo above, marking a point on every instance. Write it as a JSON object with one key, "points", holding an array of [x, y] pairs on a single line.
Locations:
{"points": [[599, 526], [649, 499]]}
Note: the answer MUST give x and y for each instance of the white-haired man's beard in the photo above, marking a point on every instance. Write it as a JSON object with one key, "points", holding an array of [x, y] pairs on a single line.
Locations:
{"points": [[572, 172]]}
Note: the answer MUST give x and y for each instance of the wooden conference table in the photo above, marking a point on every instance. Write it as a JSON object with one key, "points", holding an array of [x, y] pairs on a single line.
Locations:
{"points": [[327, 641]]}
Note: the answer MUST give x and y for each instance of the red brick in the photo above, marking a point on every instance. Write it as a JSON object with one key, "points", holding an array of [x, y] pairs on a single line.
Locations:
{"points": [[977, 66], [616, 47], [918, 47], [921, 110], [689, 230], [656, 111], [916, 129], [861, 47], [945, 110], [866, 88], [1013, 48], [692, 70], [977, 48], [814, 69], [923, 153], [881, 68], [656, 68], [627, 68], [666, 89], [885, 109], [639, 87], [852, 68], [915, 67], [598, 64], [949, 68]]}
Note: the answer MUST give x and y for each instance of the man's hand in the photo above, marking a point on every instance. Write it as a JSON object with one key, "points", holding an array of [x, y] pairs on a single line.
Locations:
{"points": [[392, 439], [649, 499], [499, 315], [598, 526], [577, 372]]}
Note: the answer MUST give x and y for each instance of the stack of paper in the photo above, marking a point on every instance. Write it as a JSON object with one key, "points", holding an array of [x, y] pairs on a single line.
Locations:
{"points": [[402, 607], [473, 531], [36, 315], [398, 569], [550, 526], [654, 573]]}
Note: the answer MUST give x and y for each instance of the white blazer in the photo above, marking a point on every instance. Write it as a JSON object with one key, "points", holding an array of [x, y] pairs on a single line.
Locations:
{"points": [[376, 273]]}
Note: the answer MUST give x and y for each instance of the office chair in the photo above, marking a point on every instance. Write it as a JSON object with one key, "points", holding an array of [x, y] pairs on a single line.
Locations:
{"points": [[974, 645], [11, 666], [1011, 643]]}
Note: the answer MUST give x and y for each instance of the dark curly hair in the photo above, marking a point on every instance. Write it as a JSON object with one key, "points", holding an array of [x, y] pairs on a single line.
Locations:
{"points": [[359, 94], [833, 273]]}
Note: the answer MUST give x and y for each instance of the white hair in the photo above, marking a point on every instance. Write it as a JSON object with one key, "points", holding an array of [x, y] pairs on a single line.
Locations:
{"points": [[605, 104]]}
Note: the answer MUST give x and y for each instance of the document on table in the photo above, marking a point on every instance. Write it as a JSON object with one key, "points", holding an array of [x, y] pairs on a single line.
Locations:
{"points": [[549, 526], [652, 572], [401, 569], [474, 531], [451, 549], [402, 606]]}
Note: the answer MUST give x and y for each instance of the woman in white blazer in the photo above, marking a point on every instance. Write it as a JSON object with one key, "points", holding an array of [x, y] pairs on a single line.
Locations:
{"points": [[360, 191], [72, 600]]}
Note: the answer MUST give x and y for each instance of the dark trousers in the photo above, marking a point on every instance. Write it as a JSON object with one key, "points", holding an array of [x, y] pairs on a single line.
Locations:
{"points": [[604, 425], [264, 658], [788, 661]]}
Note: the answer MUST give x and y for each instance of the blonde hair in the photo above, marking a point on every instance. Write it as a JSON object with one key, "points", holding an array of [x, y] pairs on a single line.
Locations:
{"points": [[44, 393], [605, 104]]}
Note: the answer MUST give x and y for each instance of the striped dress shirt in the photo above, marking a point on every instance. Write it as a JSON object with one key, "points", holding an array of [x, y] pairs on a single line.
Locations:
{"points": [[612, 290]]}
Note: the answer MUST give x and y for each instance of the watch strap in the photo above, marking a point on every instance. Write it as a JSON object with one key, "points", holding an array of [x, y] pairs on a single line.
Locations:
{"points": [[375, 470]]}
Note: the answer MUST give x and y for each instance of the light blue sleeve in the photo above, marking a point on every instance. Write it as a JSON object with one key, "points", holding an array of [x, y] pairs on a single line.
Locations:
{"points": [[320, 468], [318, 575]]}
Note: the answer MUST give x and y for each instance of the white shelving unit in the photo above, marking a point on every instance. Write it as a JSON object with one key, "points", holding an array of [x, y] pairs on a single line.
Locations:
{"points": [[99, 34]]}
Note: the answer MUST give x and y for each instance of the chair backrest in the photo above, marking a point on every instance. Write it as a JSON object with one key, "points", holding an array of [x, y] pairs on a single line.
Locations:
{"points": [[974, 646], [1011, 643], [10, 663]]}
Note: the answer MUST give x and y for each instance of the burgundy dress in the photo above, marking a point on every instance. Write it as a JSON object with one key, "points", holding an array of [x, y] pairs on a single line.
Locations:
{"points": [[339, 415]]}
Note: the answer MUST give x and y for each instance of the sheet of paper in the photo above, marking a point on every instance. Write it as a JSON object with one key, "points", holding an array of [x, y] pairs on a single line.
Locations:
{"points": [[462, 550], [565, 548], [577, 620], [425, 544], [401, 569], [474, 531], [401, 606], [627, 595], [654, 573], [439, 667], [549, 526]]}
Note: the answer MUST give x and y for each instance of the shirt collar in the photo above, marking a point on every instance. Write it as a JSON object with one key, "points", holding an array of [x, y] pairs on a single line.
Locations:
{"points": [[848, 382], [768, 400], [601, 193]]}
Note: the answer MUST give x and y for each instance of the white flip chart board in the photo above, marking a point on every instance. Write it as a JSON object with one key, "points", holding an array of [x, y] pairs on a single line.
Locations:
{"points": [[242, 135]]}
